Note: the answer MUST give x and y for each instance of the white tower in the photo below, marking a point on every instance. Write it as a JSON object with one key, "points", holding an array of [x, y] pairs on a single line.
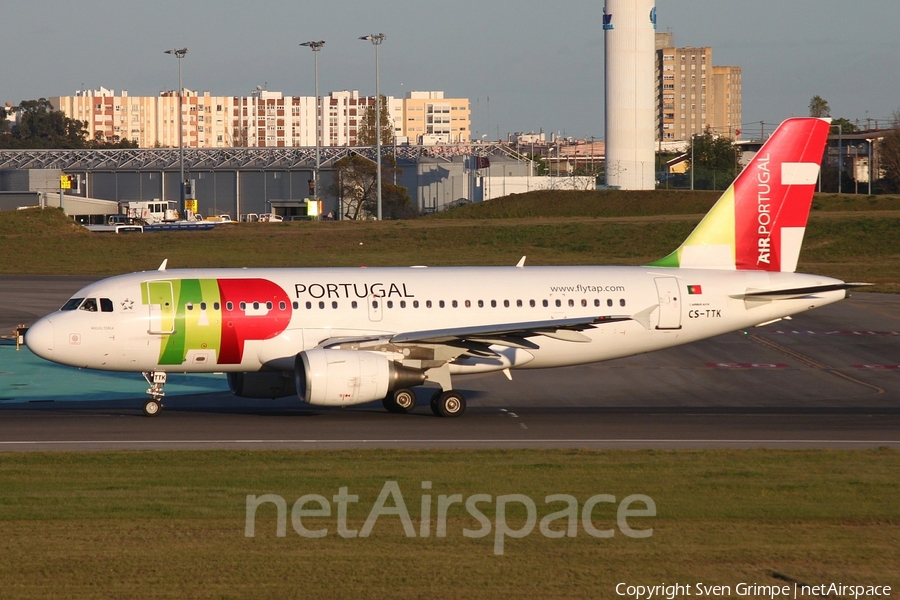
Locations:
{"points": [[629, 26]]}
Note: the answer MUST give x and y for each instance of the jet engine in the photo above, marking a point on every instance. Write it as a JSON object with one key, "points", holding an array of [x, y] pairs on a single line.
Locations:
{"points": [[343, 377], [264, 384]]}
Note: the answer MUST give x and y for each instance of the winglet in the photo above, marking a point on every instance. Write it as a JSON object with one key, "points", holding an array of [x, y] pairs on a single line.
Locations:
{"points": [[521, 262], [162, 267]]}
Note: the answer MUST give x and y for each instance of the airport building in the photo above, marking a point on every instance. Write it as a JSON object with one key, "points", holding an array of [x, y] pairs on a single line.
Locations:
{"points": [[694, 96], [262, 120]]}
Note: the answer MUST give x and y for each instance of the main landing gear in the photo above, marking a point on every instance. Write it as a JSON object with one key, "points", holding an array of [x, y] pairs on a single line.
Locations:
{"points": [[444, 404], [400, 401], [448, 404], [157, 381]]}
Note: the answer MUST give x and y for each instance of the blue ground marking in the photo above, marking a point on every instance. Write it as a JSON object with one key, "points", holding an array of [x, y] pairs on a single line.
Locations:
{"points": [[26, 378]]}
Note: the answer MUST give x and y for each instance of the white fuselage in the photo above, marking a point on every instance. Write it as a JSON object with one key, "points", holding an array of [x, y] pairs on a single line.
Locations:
{"points": [[246, 320]]}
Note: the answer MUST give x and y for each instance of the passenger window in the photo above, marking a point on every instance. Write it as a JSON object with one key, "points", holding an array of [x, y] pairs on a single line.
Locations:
{"points": [[390, 304], [506, 304], [571, 303], [455, 304], [609, 302], [72, 304], [583, 302], [518, 304], [189, 306], [256, 306], [481, 304], [374, 303], [545, 303], [596, 301], [321, 304], [309, 305], [622, 302], [242, 306], [493, 304], [90, 305], [468, 304], [334, 304], [531, 303], [269, 305], [403, 304], [295, 304], [216, 306], [106, 305], [441, 304], [558, 303], [415, 304], [282, 305], [428, 304], [229, 306]]}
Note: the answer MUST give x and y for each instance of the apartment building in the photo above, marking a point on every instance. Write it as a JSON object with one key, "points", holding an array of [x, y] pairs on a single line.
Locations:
{"points": [[263, 119], [693, 95]]}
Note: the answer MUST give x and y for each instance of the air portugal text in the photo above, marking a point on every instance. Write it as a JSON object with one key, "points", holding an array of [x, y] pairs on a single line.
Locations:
{"points": [[351, 290], [764, 214]]}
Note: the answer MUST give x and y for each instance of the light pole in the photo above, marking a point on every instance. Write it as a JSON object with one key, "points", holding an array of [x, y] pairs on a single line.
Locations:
{"points": [[179, 53], [376, 39], [315, 47]]}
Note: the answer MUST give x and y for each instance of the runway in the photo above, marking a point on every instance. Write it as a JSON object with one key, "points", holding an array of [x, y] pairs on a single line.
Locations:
{"points": [[827, 379]]}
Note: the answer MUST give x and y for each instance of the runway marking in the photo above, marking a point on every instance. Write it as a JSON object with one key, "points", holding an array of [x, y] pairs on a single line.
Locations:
{"points": [[878, 367], [832, 332], [748, 365], [814, 363], [453, 441]]}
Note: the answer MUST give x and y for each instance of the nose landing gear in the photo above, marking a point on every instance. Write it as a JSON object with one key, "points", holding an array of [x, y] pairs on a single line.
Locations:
{"points": [[157, 381]]}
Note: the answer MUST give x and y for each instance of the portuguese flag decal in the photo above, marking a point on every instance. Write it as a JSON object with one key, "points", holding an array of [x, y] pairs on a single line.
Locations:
{"points": [[694, 289]]}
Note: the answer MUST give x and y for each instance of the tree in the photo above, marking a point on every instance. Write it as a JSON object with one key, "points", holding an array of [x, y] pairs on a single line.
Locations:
{"points": [[844, 126], [40, 126], [355, 187], [715, 162], [889, 154], [365, 133], [818, 107]]}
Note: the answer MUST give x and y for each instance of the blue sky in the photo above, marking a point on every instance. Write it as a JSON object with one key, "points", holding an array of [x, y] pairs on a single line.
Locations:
{"points": [[525, 65]]}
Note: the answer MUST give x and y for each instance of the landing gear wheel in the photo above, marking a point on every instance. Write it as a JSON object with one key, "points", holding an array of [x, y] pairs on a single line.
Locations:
{"points": [[434, 402], [152, 407], [400, 401], [405, 400], [449, 404]]}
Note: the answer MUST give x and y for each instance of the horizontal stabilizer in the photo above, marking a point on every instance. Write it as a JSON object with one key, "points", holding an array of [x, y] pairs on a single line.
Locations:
{"points": [[788, 294]]}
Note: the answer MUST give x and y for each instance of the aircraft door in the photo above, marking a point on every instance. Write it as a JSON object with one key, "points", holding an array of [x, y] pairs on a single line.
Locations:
{"points": [[669, 303], [376, 307], [161, 301]]}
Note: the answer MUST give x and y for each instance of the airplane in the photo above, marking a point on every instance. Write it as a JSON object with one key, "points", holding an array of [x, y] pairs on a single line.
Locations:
{"points": [[347, 336]]}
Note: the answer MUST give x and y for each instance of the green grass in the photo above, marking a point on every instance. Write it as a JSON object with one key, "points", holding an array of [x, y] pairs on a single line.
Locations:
{"points": [[171, 524], [850, 243]]}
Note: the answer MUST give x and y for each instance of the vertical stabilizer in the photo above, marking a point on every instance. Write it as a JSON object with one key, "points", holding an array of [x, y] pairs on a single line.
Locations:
{"points": [[759, 222]]}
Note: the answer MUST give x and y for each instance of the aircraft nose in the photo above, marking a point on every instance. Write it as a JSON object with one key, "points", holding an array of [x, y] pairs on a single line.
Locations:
{"points": [[39, 338]]}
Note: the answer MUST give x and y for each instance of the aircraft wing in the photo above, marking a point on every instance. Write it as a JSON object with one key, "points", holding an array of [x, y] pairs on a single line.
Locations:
{"points": [[510, 334]]}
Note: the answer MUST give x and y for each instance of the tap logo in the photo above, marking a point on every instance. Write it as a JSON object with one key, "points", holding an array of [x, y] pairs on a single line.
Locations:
{"points": [[607, 21], [653, 16]]}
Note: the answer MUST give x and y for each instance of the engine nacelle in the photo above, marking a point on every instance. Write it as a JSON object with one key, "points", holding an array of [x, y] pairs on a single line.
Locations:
{"points": [[263, 384], [343, 377]]}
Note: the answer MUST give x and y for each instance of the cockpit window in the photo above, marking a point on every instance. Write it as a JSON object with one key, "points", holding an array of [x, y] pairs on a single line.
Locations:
{"points": [[106, 305], [89, 305], [72, 304]]}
